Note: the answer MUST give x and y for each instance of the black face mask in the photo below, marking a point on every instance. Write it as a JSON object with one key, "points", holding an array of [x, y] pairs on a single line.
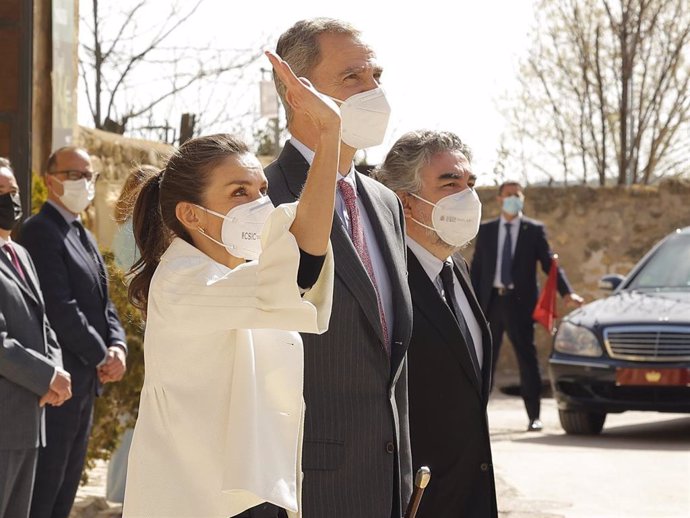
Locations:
{"points": [[10, 210]]}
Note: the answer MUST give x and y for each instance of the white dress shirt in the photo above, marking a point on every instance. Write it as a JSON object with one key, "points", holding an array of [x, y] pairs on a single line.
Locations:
{"points": [[383, 282], [432, 266], [514, 233]]}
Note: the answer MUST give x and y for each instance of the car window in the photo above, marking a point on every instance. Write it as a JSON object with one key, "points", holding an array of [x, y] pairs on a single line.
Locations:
{"points": [[669, 267]]}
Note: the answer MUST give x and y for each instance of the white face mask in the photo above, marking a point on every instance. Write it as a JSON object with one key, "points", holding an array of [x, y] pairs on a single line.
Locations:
{"points": [[242, 225], [456, 217], [364, 118], [77, 194]]}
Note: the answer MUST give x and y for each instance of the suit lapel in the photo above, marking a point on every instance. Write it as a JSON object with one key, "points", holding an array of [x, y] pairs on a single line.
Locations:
{"points": [[428, 301], [492, 250], [350, 269], [87, 261], [348, 266], [383, 223], [32, 280], [8, 268], [466, 284], [73, 243]]}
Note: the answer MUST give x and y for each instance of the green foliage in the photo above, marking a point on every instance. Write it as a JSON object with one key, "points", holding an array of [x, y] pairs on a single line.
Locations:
{"points": [[116, 409], [39, 192]]}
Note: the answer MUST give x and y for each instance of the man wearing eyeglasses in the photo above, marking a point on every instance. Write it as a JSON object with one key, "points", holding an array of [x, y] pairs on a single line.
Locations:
{"points": [[74, 281]]}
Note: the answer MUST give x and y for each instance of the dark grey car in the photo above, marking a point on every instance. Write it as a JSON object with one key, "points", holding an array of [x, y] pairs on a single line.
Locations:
{"points": [[630, 350]]}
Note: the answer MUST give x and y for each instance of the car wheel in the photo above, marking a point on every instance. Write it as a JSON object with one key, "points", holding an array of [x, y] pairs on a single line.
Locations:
{"points": [[577, 422]]}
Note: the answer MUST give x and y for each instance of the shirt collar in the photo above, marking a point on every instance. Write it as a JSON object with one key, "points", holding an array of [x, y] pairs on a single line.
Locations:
{"points": [[308, 155], [432, 265], [67, 215], [515, 221], [4, 241]]}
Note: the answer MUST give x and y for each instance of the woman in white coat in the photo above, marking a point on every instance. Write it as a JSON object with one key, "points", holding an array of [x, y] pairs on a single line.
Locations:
{"points": [[226, 282]]}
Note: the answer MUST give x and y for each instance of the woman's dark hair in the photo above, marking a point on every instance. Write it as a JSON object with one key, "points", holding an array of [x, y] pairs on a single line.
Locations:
{"points": [[184, 179], [124, 205]]}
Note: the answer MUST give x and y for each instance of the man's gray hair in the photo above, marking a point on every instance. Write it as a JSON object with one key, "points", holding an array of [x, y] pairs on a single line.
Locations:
{"points": [[4, 162], [412, 152], [299, 46]]}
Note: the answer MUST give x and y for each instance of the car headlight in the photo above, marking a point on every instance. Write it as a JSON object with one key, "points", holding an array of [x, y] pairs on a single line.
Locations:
{"points": [[577, 340]]}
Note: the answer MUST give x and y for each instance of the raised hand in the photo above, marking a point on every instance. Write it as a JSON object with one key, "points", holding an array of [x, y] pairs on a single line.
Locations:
{"points": [[303, 97]]}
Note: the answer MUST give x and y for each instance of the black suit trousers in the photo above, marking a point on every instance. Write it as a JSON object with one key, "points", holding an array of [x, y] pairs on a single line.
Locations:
{"points": [[506, 314], [61, 462]]}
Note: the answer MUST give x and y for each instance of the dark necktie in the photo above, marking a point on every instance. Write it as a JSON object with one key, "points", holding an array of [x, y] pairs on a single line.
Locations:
{"points": [[86, 243], [507, 258], [449, 296], [357, 236], [7, 247]]}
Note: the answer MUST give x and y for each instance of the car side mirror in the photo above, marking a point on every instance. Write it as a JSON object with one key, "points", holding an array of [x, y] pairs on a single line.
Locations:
{"points": [[610, 282]]}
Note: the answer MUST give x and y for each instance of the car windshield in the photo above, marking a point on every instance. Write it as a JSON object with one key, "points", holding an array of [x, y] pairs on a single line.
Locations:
{"points": [[667, 269]]}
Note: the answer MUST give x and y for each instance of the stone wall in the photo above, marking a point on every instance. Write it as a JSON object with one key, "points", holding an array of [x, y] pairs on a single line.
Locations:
{"points": [[114, 156], [595, 231]]}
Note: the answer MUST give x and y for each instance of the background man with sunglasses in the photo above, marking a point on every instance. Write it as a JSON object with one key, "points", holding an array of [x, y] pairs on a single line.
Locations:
{"points": [[75, 287]]}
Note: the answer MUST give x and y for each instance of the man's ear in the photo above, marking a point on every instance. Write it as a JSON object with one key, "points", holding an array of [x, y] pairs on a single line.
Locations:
{"points": [[51, 185], [405, 199], [191, 217]]}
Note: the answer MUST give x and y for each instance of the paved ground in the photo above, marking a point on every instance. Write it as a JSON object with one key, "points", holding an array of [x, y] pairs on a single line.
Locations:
{"points": [[638, 468]]}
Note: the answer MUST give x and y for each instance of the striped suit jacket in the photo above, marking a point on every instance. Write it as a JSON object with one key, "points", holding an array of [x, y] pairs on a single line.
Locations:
{"points": [[356, 454], [29, 353]]}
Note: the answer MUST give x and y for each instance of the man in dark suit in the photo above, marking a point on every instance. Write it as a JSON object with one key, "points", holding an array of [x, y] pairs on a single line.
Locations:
{"points": [[504, 275], [31, 373], [74, 282], [356, 455], [450, 352]]}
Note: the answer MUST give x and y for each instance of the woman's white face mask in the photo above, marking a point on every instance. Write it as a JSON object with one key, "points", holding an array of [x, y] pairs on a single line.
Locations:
{"points": [[242, 225], [455, 218]]}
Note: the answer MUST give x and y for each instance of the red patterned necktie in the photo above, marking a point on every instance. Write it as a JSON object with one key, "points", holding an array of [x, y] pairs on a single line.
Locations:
{"points": [[14, 260], [357, 235]]}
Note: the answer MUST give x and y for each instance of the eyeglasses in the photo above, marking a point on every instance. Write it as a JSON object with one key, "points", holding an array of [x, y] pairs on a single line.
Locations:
{"points": [[73, 174]]}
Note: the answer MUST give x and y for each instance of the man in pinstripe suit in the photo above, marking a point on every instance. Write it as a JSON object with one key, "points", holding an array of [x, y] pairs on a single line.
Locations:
{"points": [[356, 455]]}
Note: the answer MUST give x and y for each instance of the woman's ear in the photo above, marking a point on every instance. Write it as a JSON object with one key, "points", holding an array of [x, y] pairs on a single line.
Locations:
{"points": [[192, 217]]}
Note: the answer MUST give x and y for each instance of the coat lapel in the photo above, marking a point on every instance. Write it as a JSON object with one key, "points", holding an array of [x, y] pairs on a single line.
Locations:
{"points": [[348, 266], [8, 269], [87, 261], [492, 250], [487, 350], [383, 224], [32, 280], [75, 246], [428, 301], [350, 269]]}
